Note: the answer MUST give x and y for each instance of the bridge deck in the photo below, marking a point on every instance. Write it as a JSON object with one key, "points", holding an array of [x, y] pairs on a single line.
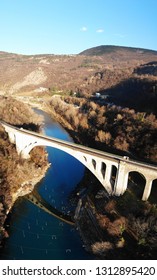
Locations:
{"points": [[82, 148]]}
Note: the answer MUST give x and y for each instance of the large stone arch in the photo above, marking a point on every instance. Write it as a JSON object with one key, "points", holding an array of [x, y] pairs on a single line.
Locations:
{"points": [[93, 163]]}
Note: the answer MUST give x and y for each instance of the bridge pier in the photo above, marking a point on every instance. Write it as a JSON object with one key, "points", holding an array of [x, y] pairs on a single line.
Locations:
{"points": [[25, 145], [21, 146], [121, 179], [11, 134], [12, 137], [147, 189], [107, 179]]}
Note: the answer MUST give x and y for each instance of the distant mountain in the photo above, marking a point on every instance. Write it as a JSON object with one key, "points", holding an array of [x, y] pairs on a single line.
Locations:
{"points": [[107, 49], [127, 75]]}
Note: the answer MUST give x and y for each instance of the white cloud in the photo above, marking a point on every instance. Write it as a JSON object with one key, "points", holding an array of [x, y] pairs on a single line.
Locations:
{"points": [[84, 29], [100, 30]]}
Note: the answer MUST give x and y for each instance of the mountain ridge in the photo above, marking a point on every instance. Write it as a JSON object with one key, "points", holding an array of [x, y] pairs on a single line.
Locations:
{"points": [[97, 50], [106, 49]]}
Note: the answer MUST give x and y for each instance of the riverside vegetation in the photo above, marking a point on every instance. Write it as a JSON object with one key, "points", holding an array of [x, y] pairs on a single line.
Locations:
{"points": [[109, 126], [17, 176]]}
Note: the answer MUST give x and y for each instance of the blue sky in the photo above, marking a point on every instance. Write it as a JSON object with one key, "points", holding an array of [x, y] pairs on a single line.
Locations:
{"points": [[71, 26]]}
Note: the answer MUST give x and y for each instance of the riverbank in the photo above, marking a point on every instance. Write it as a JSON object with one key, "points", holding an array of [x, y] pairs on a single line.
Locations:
{"points": [[17, 176], [118, 227], [115, 227]]}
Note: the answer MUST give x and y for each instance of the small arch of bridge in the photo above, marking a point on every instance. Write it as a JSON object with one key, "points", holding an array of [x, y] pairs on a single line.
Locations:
{"points": [[153, 194], [136, 183]]}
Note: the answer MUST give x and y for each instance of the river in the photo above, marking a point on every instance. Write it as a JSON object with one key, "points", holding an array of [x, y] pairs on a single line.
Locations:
{"points": [[35, 234]]}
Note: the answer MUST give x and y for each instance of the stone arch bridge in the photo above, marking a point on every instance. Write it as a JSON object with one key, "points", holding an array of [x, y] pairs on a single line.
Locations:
{"points": [[101, 164]]}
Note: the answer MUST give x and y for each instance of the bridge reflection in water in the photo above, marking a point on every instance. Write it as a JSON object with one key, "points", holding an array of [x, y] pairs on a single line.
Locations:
{"points": [[36, 199]]}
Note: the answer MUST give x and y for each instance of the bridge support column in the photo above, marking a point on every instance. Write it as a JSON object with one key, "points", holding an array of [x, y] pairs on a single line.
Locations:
{"points": [[107, 180], [21, 146], [121, 179], [11, 134], [147, 189], [11, 137], [25, 155]]}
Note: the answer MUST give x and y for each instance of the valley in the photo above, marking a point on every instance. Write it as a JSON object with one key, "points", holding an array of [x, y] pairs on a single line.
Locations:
{"points": [[105, 98]]}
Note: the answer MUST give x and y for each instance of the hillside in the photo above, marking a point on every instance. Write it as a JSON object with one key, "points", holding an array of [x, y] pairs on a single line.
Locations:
{"points": [[104, 49], [105, 69]]}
